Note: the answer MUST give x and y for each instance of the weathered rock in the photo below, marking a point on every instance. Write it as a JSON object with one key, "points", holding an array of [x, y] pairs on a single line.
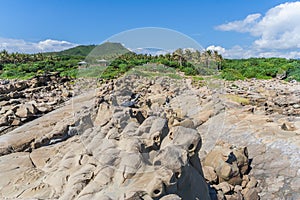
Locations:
{"points": [[287, 126], [250, 194], [225, 187], [252, 183], [226, 161], [96, 149], [210, 174]]}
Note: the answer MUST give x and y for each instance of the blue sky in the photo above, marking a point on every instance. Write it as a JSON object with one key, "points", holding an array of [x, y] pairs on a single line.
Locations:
{"points": [[237, 28]]}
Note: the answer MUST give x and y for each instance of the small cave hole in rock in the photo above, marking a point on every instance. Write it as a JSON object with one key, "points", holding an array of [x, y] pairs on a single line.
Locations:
{"points": [[171, 135], [157, 162], [191, 147], [156, 192], [177, 175]]}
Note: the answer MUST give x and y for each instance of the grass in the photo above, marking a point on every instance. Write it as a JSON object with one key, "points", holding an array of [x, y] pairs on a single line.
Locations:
{"points": [[238, 99], [91, 72], [155, 71], [197, 78]]}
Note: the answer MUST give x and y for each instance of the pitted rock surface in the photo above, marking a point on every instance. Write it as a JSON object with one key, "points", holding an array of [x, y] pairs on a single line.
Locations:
{"points": [[139, 138]]}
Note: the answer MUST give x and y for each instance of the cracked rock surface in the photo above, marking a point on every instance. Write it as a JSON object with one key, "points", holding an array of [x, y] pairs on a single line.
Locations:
{"points": [[138, 138]]}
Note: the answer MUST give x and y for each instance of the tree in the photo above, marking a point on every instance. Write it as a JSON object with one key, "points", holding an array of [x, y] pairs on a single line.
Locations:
{"points": [[218, 59], [178, 55]]}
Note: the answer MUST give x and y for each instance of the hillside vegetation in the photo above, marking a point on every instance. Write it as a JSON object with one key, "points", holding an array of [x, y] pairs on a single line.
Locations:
{"points": [[81, 50], [107, 50], [260, 68], [121, 60]]}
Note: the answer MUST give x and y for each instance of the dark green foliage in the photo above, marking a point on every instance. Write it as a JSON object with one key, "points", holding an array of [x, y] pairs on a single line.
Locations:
{"points": [[90, 53], [108, 49], [81, 50], [127, 61], [260, 68], [293, 71], [24, 66]]}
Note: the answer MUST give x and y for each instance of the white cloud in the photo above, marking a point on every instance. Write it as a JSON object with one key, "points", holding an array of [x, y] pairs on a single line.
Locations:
{"points": [[279, 28], [241, 25], [248, 52], [220, 49], [22, 46], [277, 32]]}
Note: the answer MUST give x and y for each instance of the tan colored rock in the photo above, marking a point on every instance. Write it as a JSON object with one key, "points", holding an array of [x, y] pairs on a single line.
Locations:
{"points": [[210, 174], [225, 187], [187, 123], [252, 183], [104, 114], [225, 163], [287, 126], [251, 194], [16, 122], [203, 117], [3, 121]]}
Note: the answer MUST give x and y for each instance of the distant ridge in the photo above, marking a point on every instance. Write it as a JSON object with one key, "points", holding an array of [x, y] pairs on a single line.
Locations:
{"points": [[81, 50], [105, 50], [108, 50]]}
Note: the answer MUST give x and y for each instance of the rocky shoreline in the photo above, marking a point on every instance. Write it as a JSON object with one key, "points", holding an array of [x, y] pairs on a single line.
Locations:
{"points": [[140, 138], [23, 101]]}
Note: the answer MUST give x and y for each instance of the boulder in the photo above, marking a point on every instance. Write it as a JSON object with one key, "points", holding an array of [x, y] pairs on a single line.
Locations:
{"points": [[210, 174], [288, 126], [229, 163]]}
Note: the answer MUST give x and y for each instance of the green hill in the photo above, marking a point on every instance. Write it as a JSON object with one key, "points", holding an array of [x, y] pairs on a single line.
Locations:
{"points": [[81, 50], [106, 50]]}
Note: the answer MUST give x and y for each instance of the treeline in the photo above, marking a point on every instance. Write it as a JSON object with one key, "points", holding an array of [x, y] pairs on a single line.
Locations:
{"points": [[24, 66], [260, 68], [127, 61]]}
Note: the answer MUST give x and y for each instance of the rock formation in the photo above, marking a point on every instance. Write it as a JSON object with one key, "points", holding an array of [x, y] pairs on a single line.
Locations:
{"points": [[139, 138], [23, 101]]}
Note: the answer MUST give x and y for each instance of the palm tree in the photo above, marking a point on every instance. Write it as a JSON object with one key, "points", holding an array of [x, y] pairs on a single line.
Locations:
{"points": [[188, 54], [206, 55], [218, 58], [196, 56], [178, 55]]}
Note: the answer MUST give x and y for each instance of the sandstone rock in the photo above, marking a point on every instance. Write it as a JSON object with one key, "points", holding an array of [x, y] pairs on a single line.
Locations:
{"points": [[251, 194], [16, 122], [3, 121], [252, 183], [210, 174], [235, 196], [171, 197], [122, 157], [203, 117], [104, 115], [225, 187], [26, 110], [225, 163], [287, 126], [187, 123]]}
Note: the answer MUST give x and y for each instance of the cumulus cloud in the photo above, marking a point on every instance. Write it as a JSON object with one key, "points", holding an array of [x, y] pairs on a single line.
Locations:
{"points": [[219, 49], [22, 46], [248, 52], [245, 25], [279, 28], [276, 32]]}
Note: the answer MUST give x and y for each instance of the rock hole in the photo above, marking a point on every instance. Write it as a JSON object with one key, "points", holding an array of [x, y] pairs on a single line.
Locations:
{"points": [[156, 192], [157, 162], [177, 175], [171, 135], [191, 147]]}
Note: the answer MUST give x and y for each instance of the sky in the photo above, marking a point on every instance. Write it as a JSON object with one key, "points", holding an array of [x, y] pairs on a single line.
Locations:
{"points": [[236, 28]]}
